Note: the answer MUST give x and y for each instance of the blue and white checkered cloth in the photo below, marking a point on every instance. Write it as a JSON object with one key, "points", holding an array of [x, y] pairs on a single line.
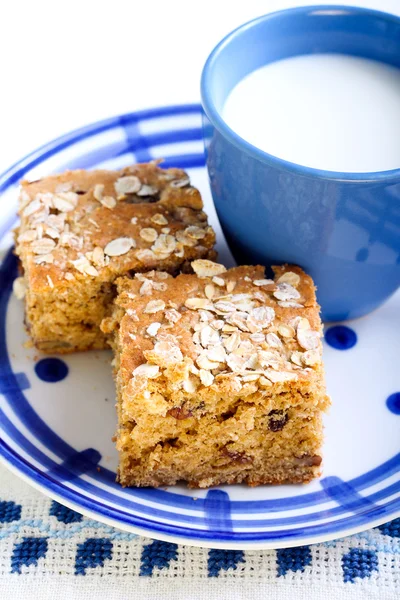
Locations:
{"points": [[48, 551]]}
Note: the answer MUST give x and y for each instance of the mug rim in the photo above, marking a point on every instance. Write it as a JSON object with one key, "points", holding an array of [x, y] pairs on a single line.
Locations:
{"points": [[219, 123]]}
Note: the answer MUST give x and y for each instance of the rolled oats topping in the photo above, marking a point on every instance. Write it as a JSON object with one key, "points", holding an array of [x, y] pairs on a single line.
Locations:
{"points": [[260, 318], [286, 331], [223, 306], [209, 291], [147, 370], [65, 201], [279, 376], [43, 246], [27, 236], [51, 232], [164, 244], [83, 265], [209, 336], [154, 306], [70, 240], [236, 334], [24, 198], [217, 354], [302, 323], [289, 277], [159, 219], [258, 338], [162, 275], [152, 329], [311, 358], [184, 239], [148, 234], [43, 259], [207, 268], [179, 252], [98, 191], [297, 358], [109, 202], [195, 232], [285, 291], [19, 288], [132, 314], [172, 315], [98, 256], [119, 246], [32, 208], [147, 190], [178, 183], [308, 339], [218, 281], [146, 288], [205, 363], [273, 341], [66, 186], [288, 304], [190, 385], [262, 282], [146, 256], [232, 342], [127, 185], [206, 377], [198, 303], [165, 353]]}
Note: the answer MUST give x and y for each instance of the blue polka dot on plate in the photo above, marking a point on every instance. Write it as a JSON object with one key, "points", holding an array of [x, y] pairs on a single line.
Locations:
{"points": [[393, 403], [341, 337], [51, 370]]}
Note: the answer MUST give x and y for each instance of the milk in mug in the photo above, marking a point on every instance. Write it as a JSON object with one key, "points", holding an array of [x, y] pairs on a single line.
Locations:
{"points": [[328, 111]]}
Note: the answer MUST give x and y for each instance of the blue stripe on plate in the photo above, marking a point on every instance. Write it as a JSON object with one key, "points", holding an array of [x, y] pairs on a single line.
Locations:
{"points": [[139, 146], [17, 171], [292, 535]]}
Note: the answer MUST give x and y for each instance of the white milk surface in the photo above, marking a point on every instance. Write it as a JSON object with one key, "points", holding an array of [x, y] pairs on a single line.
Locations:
{"points": [[327, 111]]}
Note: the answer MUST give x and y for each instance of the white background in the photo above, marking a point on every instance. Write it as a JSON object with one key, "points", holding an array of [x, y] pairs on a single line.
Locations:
{"points": [[68, 63]]}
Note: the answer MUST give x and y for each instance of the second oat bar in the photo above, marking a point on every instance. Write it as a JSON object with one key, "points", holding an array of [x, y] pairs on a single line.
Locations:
{"points": [[82, 229]]}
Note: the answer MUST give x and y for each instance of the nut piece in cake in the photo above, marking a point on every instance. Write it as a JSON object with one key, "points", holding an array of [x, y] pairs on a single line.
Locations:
{"points": [[219, 377], [81, 230]]}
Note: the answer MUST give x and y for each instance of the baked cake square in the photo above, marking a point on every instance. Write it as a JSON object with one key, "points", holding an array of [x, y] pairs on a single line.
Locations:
{"points": [[219, 377], [81, 230]]}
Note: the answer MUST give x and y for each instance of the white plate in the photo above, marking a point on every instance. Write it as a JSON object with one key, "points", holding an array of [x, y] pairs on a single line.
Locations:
{"points": [[57, 434]]}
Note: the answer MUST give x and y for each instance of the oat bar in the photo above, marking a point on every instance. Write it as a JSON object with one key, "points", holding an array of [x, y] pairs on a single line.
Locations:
{"points": [[219, 377], [81, 230]]}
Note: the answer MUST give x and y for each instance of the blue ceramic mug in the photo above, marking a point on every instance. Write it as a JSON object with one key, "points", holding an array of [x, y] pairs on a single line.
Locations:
{"points": [[342, 228]]}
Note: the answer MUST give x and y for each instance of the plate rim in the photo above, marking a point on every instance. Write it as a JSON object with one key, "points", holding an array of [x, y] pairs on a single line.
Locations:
{"points": [[19, 466], [184, 540]]}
